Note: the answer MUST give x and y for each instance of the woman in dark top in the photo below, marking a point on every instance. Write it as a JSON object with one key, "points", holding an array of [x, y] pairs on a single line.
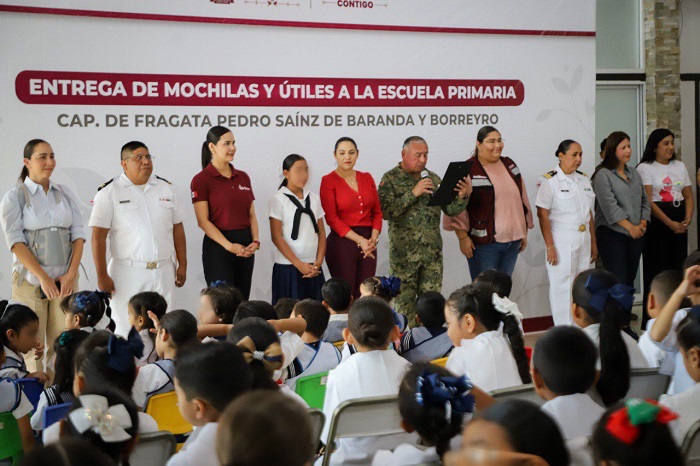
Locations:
{"points": [[223, 203]]}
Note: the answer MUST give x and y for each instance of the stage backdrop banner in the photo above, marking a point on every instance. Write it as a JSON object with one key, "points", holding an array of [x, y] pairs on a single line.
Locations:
{"points": [[293, 77]]}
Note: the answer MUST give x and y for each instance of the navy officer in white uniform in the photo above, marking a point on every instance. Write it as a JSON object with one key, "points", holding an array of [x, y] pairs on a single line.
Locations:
{"points": [[565, 203], [140, 214]]}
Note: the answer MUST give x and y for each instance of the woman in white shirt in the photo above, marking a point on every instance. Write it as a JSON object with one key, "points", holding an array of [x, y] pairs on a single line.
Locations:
{"points": [[668, 187], [298, 232], [44, 230]]}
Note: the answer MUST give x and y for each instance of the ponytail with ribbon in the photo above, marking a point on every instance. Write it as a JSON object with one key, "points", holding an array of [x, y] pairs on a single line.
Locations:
{"points": [[122, 352], [271, 357], [452, 393], [624, 424], [512, 327], [601, 292]]}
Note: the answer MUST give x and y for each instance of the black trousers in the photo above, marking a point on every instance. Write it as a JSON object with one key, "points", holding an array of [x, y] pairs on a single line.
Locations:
{"points": [[663, 249], [219, 264]]}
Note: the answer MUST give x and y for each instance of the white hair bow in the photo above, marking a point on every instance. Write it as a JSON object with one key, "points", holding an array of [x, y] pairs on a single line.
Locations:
{"points": [[108, 421], [506, 306]]}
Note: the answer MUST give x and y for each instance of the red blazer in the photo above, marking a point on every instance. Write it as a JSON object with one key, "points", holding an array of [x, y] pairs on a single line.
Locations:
{"points": [[345, 208]]}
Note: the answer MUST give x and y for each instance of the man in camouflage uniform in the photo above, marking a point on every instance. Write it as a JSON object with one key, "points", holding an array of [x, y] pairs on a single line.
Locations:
{"points": [[415, 241]]}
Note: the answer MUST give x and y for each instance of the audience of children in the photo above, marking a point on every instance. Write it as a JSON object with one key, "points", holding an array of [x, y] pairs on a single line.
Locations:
{"points": [[429, 340], [175, 331], [386, 288], [87, 310], [139, 305], [371, 327], [636, 434], [489, 347], [563, 370], [263, 428], [19, 327], [64, 349], [13, 399], [218, 303], [208, 377], [317, 355], [337, 297], [599, 306]]}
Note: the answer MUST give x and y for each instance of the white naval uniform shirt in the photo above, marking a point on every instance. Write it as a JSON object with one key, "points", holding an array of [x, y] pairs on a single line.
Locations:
{"points": [[575, 414], [140, 222], [569, 198]]}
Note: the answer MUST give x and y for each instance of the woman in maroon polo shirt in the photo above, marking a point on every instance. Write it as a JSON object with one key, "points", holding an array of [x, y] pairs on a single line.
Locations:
{"points": [[351, 203], [223, 202]]}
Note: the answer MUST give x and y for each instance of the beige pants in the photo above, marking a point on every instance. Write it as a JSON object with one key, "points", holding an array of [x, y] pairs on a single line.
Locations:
{"points": [[51, 320]]}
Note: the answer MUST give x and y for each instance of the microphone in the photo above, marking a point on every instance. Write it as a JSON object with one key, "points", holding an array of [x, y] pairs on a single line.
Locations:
{"points": [[424, 174]]}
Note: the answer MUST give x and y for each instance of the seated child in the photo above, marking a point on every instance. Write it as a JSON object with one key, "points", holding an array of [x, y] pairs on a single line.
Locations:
{"points": [[276, 432], [317, 355], [13, 399], [434, 403], [501, 282], [429, 340], [261, 347], [68, 452], [176, 330], [105, 361], [599, 306], [107, 419], [687, 403], [663, 331], [64, 348], [660, 290], [218, 303], [208, 377], [374, 370], [516, 426], [87, 311], [636, 434], [337, 297], [563, 370], [139, 305], [386, 288], [19, 327], [489, 346], [284, 307]]}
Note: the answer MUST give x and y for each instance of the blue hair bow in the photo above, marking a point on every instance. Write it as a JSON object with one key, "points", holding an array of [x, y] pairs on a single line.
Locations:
{"points": [[217, 283], [391, 284], [600, 292], [121, 352], [82, 300], [454, 393]]}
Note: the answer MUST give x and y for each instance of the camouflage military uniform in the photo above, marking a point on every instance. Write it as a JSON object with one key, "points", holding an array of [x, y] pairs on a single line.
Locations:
{"points": [[415, 241]]}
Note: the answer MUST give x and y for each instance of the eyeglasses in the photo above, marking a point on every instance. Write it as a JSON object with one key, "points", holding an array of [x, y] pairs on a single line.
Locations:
{"points": [[139, 158]]}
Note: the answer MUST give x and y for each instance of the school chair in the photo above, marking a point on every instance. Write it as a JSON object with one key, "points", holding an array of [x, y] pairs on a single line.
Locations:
{"points": [[312, 389], [691, 445], [439, 362], [55, 413], [647, 384], [339, 344], [164, 409], [317, 421], [32, 388], [10, 439], [153, 449], [363, 417], [519, 392]]}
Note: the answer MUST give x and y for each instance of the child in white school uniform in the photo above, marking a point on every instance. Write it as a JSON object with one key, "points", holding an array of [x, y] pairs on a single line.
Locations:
{"points": [[687, 403], [664, 329], [489, 346], [429, 340], [175, 331], [374, 370], [636, 434], [275, 432], [64, 349], [139, 305], [87, 311], [660, 290], [261, 347], [599, 304], [208, 377], [298, 233], [337, 298], [434, 403], [13, 399], [563, 370], [317, 355], [19, 326], [386, 288]]}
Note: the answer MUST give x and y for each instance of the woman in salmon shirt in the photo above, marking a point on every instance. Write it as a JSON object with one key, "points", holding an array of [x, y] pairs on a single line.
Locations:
{"points": [[349, 199]]}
